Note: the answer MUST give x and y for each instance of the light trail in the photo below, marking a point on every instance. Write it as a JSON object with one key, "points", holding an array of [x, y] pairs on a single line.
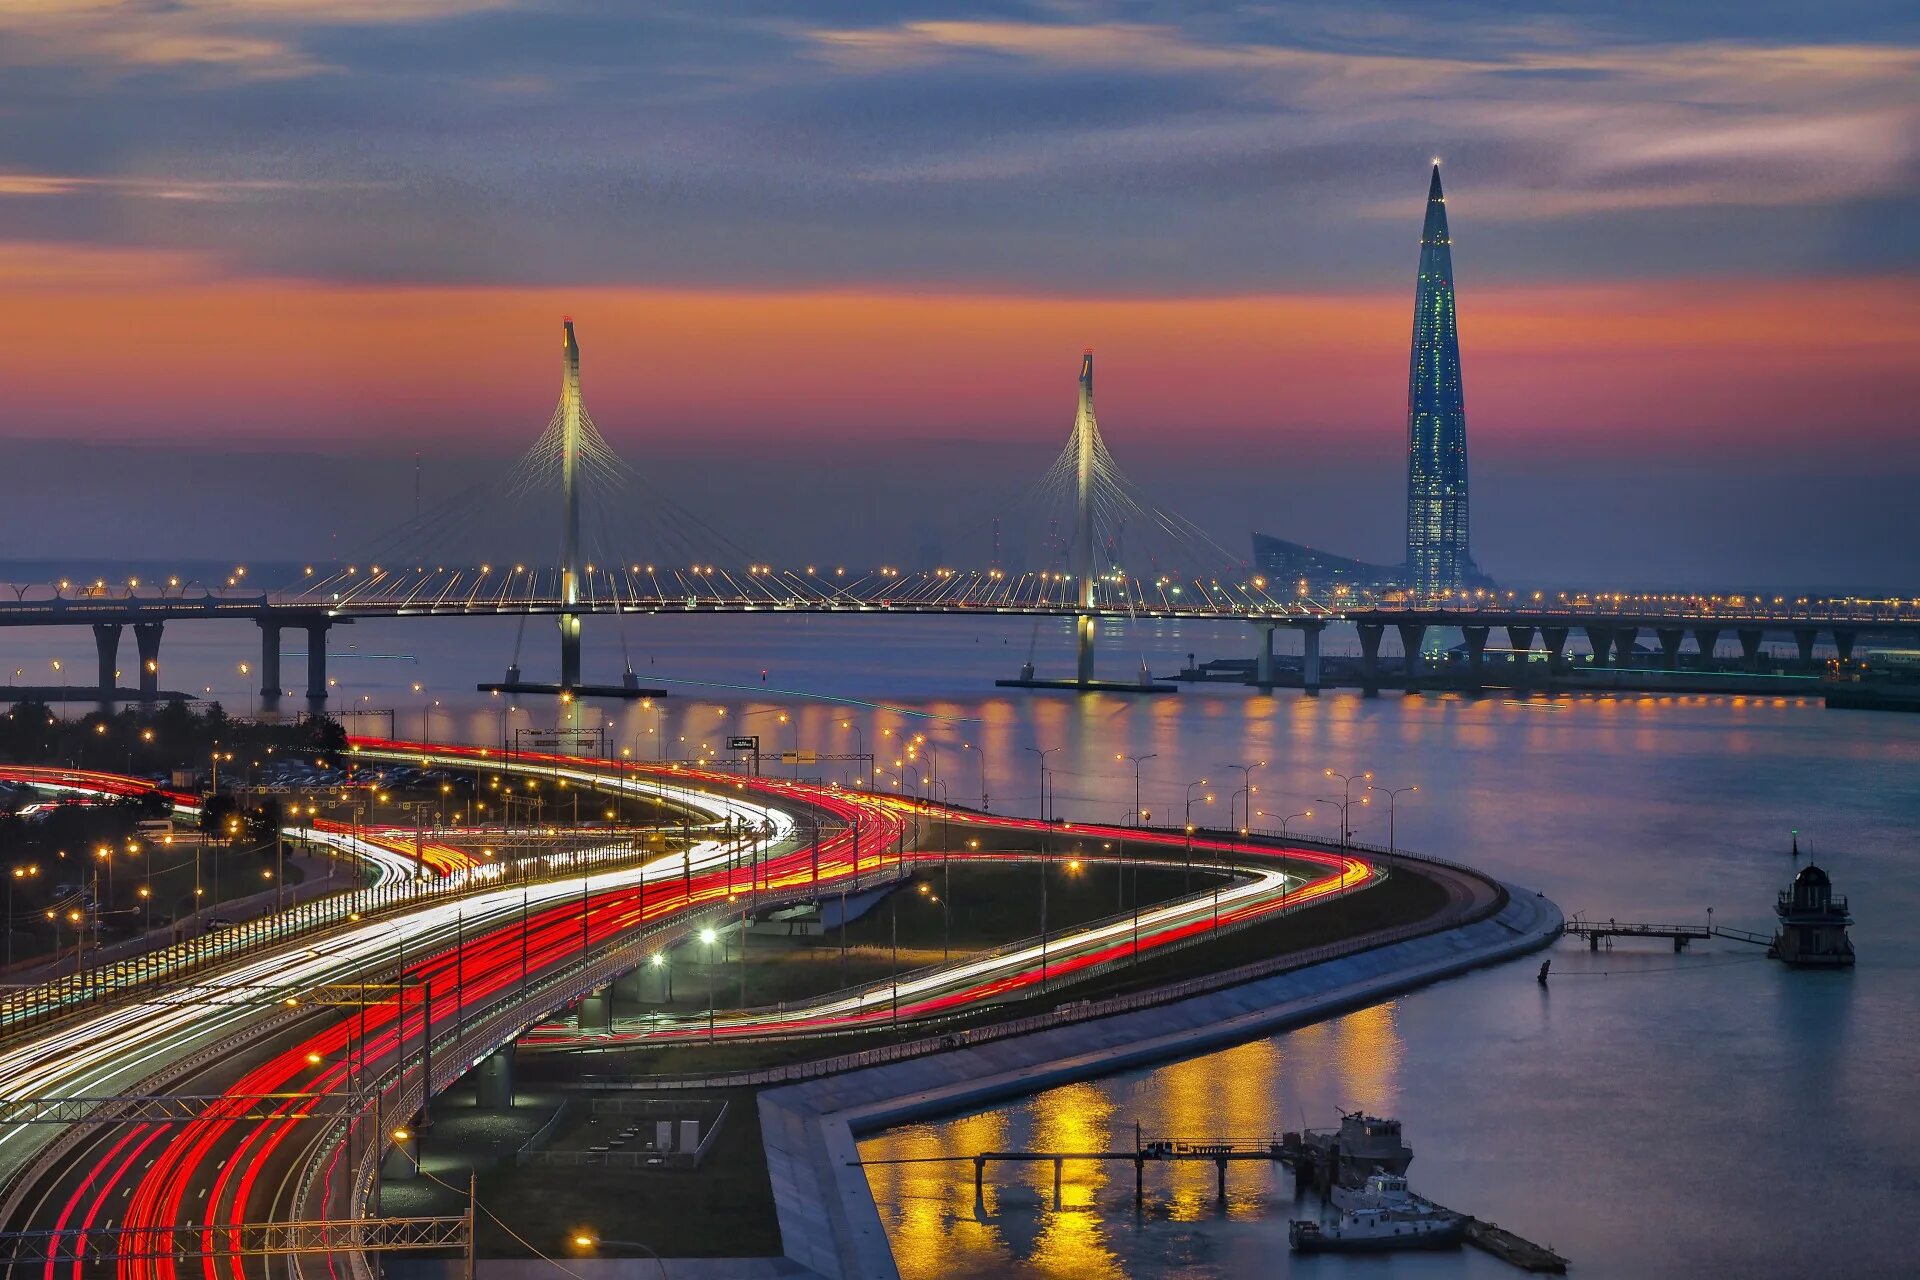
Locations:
{"points": [[475, 955]]}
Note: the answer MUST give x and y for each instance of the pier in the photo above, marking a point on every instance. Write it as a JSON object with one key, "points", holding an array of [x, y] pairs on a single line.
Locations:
{"points": [[1597, 932], [1488, 1237]]}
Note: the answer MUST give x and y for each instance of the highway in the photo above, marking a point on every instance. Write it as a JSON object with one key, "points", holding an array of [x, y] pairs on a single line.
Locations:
{"points": [[482, 967]]}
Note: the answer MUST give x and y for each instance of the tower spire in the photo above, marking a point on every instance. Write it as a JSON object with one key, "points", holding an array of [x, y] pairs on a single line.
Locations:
{"points": [[1437, 557]]}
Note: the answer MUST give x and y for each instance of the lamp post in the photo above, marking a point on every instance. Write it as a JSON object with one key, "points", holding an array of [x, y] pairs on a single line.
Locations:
{"points": [[859, 748], [1393, 795], [1138, 820], [1345, 801], [19, 873], [1290, 818], [1189, 826], [1246, 787]]}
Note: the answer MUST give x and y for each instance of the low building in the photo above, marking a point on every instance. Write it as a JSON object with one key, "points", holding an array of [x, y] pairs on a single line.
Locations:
{"points": [[1813, 923]]}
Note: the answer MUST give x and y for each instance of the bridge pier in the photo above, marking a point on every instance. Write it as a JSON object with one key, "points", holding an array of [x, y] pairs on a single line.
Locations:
{"points": [[1412, 636], [1520, 640], [1843, 641], [596, 1011], [106, 640], [569, 650], [1805, 638], [269, 659], [1670, 638], [146, 635], [1370, 633], [1476, 638], [317, 660], [1623, 642], [1555, 641], [1750, 638], [493, 1083], [1083, 650], [1600, 640], [1310, 657], [1708, 639], [1263, 656]]}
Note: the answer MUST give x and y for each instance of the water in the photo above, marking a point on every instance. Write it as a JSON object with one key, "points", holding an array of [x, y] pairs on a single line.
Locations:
{"points": [[1648, 1115]]}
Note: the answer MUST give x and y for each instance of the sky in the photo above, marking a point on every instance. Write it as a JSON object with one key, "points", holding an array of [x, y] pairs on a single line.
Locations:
{"points": [[856, 249]]}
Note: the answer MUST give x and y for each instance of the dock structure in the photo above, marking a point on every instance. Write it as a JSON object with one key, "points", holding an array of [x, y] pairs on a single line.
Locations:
{"points": [[1597, 932], [1603, 932], [1219, 1151], [1289, 1150]]}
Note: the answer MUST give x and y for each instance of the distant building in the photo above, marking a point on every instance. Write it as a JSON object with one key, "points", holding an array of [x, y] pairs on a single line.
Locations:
{"points": [[1437, 556], [1813, 923], [1289, 564]]}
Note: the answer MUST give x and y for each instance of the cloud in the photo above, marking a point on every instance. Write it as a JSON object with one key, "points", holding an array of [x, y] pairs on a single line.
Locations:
{"points": [[248, 38], [1600, 126]]}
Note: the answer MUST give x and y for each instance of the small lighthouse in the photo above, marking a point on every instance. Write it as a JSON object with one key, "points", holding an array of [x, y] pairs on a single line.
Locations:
{"points": [[1813, 923]]}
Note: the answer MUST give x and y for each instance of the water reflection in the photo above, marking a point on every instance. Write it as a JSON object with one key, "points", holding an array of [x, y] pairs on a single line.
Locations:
{"points": [[1253, 1090]]}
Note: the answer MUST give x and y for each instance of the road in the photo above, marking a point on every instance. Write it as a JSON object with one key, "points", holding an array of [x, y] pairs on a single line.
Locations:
{"points": [[481, 968]]}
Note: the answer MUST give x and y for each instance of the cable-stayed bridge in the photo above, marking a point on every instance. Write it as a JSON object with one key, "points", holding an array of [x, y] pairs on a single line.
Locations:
{"points": [[1093, 548]]}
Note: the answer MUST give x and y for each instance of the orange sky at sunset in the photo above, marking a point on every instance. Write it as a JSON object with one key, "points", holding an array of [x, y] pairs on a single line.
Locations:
{"points": [[123, 345]]}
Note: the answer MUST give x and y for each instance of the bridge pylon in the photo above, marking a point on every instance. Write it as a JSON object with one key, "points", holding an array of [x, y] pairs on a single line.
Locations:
{"points": [[570, 413]]}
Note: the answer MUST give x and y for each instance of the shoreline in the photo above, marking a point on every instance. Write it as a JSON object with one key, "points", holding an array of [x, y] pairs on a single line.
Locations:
{"points": [[829, 1223]]}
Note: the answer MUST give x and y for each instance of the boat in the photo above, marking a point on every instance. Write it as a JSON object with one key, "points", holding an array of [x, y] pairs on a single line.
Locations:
{"points": [[1362, 1145], [1387, 1191], [1376, 1231]]}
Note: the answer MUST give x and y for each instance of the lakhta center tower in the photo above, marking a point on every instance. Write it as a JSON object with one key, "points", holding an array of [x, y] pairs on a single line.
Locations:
{"points": [[1437, 557]]}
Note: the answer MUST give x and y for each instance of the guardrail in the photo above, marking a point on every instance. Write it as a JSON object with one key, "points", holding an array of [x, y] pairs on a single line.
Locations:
{"points": [[30, 1010], [1073, 1011]]}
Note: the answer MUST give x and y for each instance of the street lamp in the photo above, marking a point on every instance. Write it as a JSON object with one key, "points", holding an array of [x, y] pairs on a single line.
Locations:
{"points": [[1346, 800], [1138, 820], [1246, 787], [19, 874], [1189, 825], [1291, 817], [1392, 794]]}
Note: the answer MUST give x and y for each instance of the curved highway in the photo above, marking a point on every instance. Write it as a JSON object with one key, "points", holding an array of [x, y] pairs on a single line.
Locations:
{"points": [[292, 1043]]}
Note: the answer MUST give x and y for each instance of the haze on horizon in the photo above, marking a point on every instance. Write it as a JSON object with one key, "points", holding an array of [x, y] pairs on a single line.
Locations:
{"points": [[834, 266]]}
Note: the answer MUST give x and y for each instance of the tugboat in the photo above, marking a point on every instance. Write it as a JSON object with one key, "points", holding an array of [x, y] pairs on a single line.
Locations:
{"points": [[1813, 924], [1377, 1217], [1361, 1146]]}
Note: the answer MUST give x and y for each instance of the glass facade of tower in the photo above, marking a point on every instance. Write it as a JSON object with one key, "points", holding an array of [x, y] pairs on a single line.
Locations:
{"points": [[1437, 558]]}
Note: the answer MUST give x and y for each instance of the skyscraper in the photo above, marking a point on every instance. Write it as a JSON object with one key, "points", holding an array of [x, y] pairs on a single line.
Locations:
{"points": [[1437, 558]]}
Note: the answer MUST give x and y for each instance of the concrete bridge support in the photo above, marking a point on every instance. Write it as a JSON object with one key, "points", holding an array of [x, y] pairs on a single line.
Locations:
{"points": [[147, 636], [1083, 633], [569, 650], [596, 1011], [1843, 641], [1263, 656], [106, 640], [1370, 633], [1670, 638], [1708, 638], [1476, 638], [1600, 640], [317, 660], [1555, 641], [493, 1079], [1412, 636], [1310, 656], [269, 659], [1750, 638], [1805, 637], [1623, 642], [1520, 640]]}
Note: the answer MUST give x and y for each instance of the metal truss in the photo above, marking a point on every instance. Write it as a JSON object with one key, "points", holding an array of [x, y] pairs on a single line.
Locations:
{"points": [[247, 1240], [178, 1108]]}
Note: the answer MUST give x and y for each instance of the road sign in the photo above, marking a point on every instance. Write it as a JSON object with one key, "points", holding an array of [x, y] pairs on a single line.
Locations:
{"points": [[799, 757], [749, 743]]}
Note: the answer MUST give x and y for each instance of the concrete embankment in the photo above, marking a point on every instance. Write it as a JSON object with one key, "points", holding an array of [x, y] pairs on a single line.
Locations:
{"points": [[828, 1221]]}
